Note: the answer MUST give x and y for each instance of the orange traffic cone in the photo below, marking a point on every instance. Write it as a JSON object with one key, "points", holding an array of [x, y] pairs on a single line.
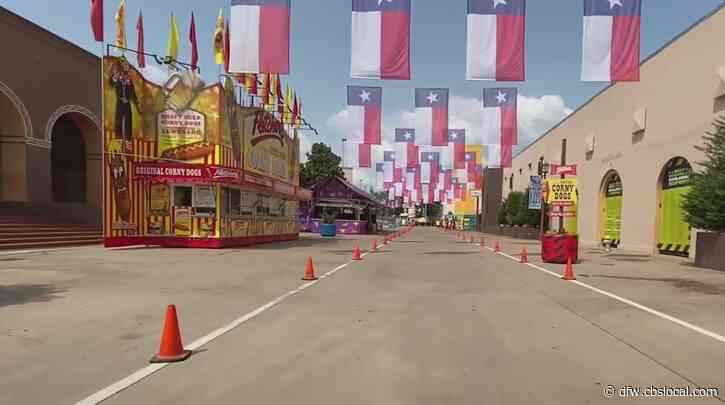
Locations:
{"points": [[497, 248], [375, 246], [171, 349], [524, 255], [483, 242], [568, 271], [310, 272], [356, 253]]}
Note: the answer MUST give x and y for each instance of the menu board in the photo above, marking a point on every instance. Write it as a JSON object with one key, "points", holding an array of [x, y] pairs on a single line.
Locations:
{"points": [[204, 197], [159, 199]]}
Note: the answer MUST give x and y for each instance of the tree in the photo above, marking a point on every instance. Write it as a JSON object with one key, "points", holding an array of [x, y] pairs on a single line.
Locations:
{"points": [[704, 205], [321, 165]]}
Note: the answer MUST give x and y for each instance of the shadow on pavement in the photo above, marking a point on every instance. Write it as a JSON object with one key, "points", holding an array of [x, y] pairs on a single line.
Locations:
{"points": [[26, 293], [683, 284]]}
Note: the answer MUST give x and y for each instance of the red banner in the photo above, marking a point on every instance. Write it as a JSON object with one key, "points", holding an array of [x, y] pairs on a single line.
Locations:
{"points": [[160, 172], [556, 170]]}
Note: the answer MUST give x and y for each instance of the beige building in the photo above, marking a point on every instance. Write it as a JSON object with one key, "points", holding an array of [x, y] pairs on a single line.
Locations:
{"points": [[638, 132]]}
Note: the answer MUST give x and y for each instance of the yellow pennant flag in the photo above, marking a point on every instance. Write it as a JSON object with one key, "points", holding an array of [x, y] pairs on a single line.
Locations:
{"points": [[121, 25], [288, 105], [299, 112], [273, 96], [219, 39], [173, 50]]}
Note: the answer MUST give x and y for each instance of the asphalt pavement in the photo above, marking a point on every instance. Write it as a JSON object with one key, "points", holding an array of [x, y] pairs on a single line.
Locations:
{"points": [[428, 319]]}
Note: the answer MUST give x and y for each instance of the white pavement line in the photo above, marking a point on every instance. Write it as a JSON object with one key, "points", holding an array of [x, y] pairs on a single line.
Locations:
{"points": [[139, 375], [629, 302]]}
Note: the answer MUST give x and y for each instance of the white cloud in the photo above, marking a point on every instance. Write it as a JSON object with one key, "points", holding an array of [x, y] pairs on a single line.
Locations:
{"points": [[536, 115]]}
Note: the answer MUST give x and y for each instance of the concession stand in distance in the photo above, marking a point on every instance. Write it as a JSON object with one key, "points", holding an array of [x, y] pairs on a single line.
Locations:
{"points": [[185, 165], [355, 210]]}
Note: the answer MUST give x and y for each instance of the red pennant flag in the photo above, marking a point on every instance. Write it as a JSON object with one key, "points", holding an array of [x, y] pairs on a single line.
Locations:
{"points": [[194, 46], [226, 46], [97, 19], [140, 48], [266, 89]]}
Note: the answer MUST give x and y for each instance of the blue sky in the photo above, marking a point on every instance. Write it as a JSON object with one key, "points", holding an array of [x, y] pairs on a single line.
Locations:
{"points": [[321, 51]]}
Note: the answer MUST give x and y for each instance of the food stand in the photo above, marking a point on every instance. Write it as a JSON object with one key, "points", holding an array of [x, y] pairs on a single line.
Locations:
{"points": [[561, 198], [356, 211], [185, 165]]}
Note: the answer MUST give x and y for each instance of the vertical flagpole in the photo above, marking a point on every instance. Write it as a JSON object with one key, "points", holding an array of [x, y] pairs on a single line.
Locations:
{"points": [[102, 129]]}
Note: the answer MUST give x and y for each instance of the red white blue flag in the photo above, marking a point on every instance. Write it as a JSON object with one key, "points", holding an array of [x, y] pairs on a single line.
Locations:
{"points": [[500, 121], [495, 43], [406, 152], [259, 36], [429, 167], [457, 148], [379, 180], [364, 106], [388, 166], [357, 155], [431, 117], [380, 39], [611, 48]]}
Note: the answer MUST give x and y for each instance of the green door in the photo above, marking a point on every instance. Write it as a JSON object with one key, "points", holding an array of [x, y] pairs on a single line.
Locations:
{"points": [[674, 237], [612, 215]]}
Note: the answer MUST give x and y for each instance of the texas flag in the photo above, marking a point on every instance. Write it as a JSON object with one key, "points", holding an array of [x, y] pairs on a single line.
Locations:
{"points": [[429, 167], [379, 178], [406, 152], [399, 189], [380, 39], [495, 44], [448, 180], [388, 166], [357, 155], [364, 106], [500, 120], [457, 147], [431, 117], [412, 178], [259, 36], [611, 46]]}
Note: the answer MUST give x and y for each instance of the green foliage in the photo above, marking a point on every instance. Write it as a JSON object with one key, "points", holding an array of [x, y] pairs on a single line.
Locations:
{"points": [[704, 205], [321, 165], [515, 211]]}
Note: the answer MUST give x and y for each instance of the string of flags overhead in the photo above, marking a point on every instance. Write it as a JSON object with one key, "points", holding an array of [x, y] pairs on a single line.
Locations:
{"points": [[430, 162], [263, 83]]}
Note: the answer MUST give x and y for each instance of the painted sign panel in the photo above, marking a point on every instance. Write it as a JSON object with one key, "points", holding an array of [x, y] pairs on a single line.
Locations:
{"points": [[268, 150], [182, 221], [562, 191], [159, 199], [535, 193]]}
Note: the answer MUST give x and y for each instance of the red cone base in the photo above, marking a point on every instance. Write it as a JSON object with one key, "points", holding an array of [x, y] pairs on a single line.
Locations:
{"points": [[310, 272], [524, 256], [356, 253], [568, 271], [171, 349]]}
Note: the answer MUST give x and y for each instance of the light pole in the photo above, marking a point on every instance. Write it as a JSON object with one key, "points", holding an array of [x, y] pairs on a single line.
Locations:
{"points": [[543, 170]]}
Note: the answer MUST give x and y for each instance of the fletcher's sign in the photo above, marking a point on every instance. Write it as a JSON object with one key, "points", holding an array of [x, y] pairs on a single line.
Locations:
{"points": [[267, 127]]}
